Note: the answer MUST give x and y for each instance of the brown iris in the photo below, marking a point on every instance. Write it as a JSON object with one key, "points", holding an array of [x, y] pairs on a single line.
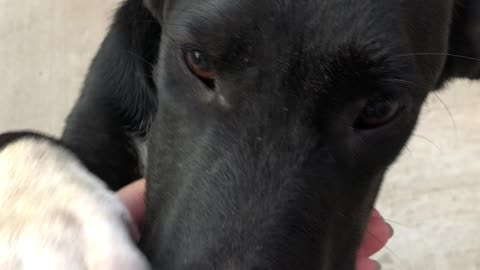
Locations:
{"points": [[201, 67]]}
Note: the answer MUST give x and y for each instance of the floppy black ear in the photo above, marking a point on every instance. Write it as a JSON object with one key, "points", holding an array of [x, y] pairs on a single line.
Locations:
{"points": [[464, 51], [118, 100]]}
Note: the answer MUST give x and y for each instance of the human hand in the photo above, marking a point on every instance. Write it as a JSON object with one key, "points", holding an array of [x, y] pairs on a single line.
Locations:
{"points": [[376, 237]]}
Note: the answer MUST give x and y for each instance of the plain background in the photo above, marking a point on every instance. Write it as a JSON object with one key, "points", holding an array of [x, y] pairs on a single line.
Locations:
{"points": [[431, 196]]}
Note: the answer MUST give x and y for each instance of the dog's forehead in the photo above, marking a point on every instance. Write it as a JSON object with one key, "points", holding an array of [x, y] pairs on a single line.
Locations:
{"points": [[340, 13], [317, 21], [292, 11], [276, 29]]}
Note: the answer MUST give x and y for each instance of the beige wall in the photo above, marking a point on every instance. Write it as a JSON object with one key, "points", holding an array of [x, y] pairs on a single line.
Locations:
{"points": [[45, 49], [432, 196]]}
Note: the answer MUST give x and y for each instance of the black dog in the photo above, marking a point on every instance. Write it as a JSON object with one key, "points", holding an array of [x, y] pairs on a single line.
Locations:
{"points": [[267, 125]]}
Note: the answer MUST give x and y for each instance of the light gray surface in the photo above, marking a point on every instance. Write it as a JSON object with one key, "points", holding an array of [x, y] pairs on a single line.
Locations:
{"points": [[432, 196]]}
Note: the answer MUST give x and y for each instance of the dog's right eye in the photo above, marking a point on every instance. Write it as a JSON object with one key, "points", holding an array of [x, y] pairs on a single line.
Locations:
{"points": [[201, 67], [377, 112]]}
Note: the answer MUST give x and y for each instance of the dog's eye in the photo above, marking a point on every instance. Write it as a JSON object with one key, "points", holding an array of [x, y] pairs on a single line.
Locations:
{"points": [[377, 112], [201, 67]]}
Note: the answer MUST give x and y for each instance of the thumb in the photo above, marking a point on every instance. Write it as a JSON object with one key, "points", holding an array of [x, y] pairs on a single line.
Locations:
{"points": [[133, 197]]}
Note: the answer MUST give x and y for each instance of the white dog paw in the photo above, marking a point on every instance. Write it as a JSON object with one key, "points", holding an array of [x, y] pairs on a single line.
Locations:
{"points": [[55, 214]]}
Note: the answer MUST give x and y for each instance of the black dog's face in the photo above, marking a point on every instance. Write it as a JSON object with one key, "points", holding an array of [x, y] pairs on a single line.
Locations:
{"points": [[276, 123]]}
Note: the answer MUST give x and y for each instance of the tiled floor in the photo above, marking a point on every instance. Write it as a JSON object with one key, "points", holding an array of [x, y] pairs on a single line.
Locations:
{"points": [[432, 196]]}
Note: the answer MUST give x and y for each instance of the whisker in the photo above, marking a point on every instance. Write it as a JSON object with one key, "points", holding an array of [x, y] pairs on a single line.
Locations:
{"points": [[454, 123], [393, 80], [428, 140], [408, 150], [397, 223], [437, 54], [142, 59]]}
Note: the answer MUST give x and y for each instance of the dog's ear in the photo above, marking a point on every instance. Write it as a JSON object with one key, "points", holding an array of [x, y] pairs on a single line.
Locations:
{"points": [[122, 70], [464, 46], [119, 97], [155, 7]]}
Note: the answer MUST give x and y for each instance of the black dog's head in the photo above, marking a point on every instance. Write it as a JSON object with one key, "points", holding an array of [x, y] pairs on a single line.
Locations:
{"points": [[276, 123]]}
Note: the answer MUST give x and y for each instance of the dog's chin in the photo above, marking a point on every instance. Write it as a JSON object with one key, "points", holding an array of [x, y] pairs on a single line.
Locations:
{"points": [[345, 263], [181, 251]]}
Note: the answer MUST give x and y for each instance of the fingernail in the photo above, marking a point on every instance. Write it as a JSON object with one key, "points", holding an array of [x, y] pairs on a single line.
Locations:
{"points": [[391, 230], [378, 266]]}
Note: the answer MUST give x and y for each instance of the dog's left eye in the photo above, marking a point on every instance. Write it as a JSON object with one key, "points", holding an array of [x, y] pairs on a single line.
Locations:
{"points": [[377, 112], [201, 67]]}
